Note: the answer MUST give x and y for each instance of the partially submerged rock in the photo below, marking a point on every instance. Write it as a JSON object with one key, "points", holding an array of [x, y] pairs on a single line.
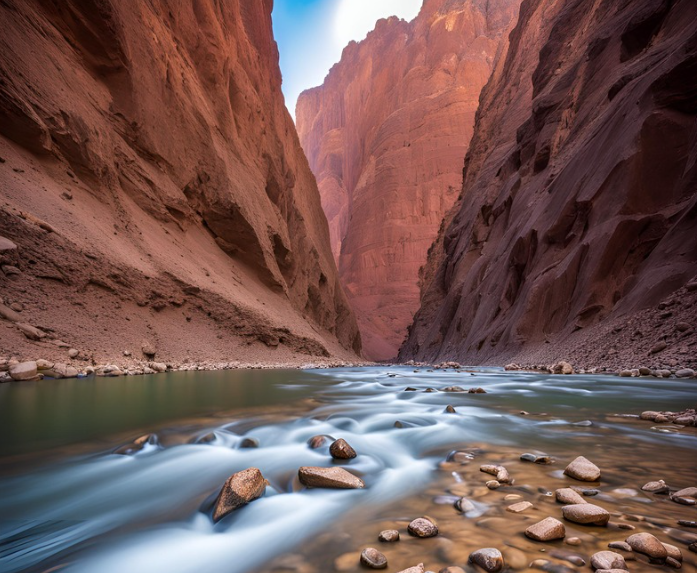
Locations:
{"points": [[341, 450], [373, 559], [329, 478], [389, 536], [608, 560], [586, 513], [549, 529], [647, 544], [500, 472], [583, 470], [422, 527], [239, 489], [489, 559], [569, 496]]}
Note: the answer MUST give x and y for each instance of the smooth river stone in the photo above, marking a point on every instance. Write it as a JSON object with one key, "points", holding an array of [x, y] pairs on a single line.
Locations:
{"points": [[673, 552], [422, 527], [548, 529], [648, 545], [586, 513], [519, 507], [373, 559], [569, 496], [330, 478], [655, 486], [608, 560], [340, 450], [239, 489], [416, 569], [489, 559], [389, 536], [583, 470], [500, 472], [24, 371]]}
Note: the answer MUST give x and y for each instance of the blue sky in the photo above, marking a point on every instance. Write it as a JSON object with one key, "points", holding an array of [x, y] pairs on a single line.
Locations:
{"points": [[312, 33]]}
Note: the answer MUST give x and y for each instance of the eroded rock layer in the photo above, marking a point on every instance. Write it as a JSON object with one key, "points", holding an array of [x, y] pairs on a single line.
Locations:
{"points": [[577, 224], [155, 187], [385, 136]]}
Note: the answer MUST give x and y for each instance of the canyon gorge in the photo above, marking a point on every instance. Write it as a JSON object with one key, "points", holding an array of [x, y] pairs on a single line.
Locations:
{"points": [[386, 135], [156, 202]]}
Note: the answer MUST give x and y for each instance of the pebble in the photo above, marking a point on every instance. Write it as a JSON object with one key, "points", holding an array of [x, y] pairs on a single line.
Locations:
{"points": [[239, 489], [389, 536], [493, 484], [548, 529], [512, 497], [536, 459], [341, 450], [416, 569], [519, 507], [464, 505], [583, 470], [573, 541], [489, 559], [648, 545], [655, 487], [568, 495], [373, 559], [586, 513], [608, 560], [330, 478], [422, 527]]}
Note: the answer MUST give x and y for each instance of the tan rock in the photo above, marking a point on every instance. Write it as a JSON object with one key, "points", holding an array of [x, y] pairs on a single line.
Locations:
{"points": [[489, 559], [24, 371], [422, 527], [648, 545], [519, 507], [586, 513], [548, 529], [608, 560], [389, 536], [583, 470], [373, 559], [568, 495], [331, 478], [239, 489]]}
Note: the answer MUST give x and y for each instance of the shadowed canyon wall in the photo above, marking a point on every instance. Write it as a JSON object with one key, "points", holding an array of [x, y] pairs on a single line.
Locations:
{"points": [[155, 188], [385, 136], [577, 223]]}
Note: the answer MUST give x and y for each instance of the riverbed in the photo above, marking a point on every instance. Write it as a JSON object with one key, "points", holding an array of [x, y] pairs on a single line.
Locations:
{"points": [[69, 501]]}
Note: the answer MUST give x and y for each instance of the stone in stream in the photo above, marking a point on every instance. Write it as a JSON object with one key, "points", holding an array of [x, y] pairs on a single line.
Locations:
{"points": [[249, 443], [536, 459], [316, 442], [388, 536], [647, 544], [622, 545], [464, 505], [422, 527], [608, 560], [416, 569], [450, 410], [573, 558], [686, 523], [476, 391], [548, 529], [583, 470], [519, 507], [673, 552], [489, 559], [340, 450], [500, 472], [685, 496], [329, 478], [373, 559], [453, 389], [586, 513], [573, 541], [569, 496], [655, 487], [515, 558], [493, 484], [239, 489], [24, 371]]}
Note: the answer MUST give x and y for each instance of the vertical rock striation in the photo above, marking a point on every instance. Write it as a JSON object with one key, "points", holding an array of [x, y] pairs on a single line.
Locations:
{"points": [[579, 203], [385, 136], [152, 139]]}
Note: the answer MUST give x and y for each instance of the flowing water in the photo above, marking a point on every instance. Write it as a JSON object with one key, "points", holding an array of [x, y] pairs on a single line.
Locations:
{"points": [[68, 502]]}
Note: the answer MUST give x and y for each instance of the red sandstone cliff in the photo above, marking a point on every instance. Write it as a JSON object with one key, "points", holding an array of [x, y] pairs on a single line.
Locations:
{"points": [[385, 136], [155, 187], [577, 223]]}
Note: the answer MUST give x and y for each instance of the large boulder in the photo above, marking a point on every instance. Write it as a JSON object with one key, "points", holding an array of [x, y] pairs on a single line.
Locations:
{"points": [[23, 371], [239, 489], [329, 478]]}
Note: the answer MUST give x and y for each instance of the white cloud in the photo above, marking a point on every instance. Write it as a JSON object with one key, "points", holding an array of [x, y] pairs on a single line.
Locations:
{"points": [[355, 18]]}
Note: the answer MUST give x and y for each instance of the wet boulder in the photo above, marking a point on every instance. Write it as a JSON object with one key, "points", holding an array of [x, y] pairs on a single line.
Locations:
{"points": [[329, 478], [569, 496], [583, 470], [500, 472], [316, 442], [489, 559], [586, 514], [389, 536], [373, 559], [655, 486], [341, 450], [239, 489], [422, 527], [608, 560], [548, 529], [647, 544]]}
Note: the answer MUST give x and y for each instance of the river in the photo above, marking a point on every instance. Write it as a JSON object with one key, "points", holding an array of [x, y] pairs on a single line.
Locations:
{"points": [[68, 502]]}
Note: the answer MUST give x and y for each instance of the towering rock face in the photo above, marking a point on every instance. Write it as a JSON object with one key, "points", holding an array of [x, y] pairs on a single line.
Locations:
{"points": [[385, 135], [155, 186], [579, 207]]}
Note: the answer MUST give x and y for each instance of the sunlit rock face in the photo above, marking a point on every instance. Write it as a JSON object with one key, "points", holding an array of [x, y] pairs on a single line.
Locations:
{"points": [[579, 205], [386, 135], [155, 137]]}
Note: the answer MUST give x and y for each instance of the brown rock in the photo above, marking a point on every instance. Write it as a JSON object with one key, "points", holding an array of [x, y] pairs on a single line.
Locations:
{"points": [[648, 545], [582, 470], [373, 559], [23, 371], [316, 442], [239, 489], [660, 347], [389, 536], [340, 450], [586, 513], [608, 560], [519, 507], [422, 527], [655, 487], [386, 179], [9, 314], [489, 559], [7, 245], [330, 478], [500, 472], [568, 495], [673, 552], [416, 569], [31, 332], [548, 529]]}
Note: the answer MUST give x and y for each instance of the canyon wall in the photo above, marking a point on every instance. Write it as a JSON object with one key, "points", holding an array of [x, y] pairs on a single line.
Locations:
{"points": [[576, 232], [385, 136], [154, 192]]}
